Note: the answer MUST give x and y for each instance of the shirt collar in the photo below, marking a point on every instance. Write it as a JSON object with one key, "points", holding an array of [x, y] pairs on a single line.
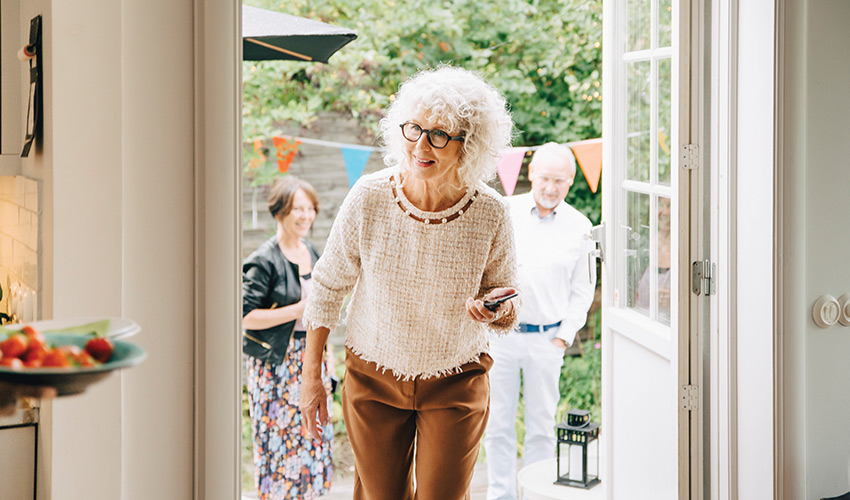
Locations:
{"points": [[536, 212]]}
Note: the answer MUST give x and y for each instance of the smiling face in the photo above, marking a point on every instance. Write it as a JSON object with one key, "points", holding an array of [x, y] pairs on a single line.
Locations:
{"points": [[427, 162], [300, 218]]}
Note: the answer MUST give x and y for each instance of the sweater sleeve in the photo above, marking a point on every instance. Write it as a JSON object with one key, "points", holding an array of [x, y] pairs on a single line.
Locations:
{"points": [[501, 271], [338, 269]]}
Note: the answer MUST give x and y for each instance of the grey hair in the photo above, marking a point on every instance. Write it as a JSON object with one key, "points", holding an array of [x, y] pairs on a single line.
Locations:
{"points": [[463, 103], [558, 151]]}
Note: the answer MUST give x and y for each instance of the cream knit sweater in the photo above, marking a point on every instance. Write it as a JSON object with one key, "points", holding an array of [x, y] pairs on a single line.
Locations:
{"points": [[413, 272]]}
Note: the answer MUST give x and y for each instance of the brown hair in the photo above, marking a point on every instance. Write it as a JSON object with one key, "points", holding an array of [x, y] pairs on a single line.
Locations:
{"points": [[282, 194]]}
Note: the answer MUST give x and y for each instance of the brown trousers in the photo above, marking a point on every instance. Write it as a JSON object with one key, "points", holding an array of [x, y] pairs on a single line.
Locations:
{"points": [[445, 417]]}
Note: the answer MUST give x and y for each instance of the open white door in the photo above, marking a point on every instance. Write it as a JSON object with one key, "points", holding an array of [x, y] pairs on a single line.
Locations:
{"points": [[645, 229]]}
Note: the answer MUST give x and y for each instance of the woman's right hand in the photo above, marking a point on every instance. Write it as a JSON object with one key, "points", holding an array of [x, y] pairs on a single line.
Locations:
{"points": [[313, 403]]}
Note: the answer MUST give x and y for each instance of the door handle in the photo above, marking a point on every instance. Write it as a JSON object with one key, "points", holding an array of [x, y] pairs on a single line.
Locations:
{"points": [[597, 235]]}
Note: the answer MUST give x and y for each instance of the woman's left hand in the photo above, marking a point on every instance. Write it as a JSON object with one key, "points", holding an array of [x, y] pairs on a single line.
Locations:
{"points": [[10, 393], [477, 311]]}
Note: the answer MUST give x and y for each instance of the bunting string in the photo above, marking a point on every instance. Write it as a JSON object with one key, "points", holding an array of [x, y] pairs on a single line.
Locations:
{"points": [[331, 144], [588, 156]]}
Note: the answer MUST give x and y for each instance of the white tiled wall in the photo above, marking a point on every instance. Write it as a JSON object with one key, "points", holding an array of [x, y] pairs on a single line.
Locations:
{"points": [[19, 242]]}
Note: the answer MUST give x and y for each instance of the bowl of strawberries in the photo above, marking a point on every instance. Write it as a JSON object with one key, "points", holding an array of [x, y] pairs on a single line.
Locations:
{"points": [[69, 361]]}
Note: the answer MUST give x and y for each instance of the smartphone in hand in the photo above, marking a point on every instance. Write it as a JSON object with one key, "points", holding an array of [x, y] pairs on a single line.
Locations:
{"points": [[494, 304]]}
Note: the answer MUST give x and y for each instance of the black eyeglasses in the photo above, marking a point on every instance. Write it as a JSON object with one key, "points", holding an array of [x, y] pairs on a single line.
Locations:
{"points": [[436, 137]]}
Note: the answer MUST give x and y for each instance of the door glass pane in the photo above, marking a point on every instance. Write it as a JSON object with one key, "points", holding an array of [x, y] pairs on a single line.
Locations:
{"points": [[664, 263], [637, 251], [665, 22], [664, 112], [637, 121], [638, 16]]}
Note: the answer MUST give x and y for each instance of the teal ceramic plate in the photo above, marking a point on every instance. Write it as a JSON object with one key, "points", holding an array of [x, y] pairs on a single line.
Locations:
{"points": [[69, 381]]}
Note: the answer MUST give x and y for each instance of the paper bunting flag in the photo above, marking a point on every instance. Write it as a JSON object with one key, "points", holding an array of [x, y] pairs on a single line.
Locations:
{"points": [[260, 158], [285, 152], [589, 157], [355, 161], [509, 168]]}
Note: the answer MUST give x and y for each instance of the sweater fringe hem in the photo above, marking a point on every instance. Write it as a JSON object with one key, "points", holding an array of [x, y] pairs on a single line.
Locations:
{"points": [[406, 377], [315, 325]]}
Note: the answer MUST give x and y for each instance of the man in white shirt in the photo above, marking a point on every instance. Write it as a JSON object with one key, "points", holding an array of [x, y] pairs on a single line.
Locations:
{"points": [[556, 286]]}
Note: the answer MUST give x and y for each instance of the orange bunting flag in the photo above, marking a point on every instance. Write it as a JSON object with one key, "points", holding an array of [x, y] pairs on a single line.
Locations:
{"points": [[589, 157], [285, 152], [509, 168], [258, 148]]}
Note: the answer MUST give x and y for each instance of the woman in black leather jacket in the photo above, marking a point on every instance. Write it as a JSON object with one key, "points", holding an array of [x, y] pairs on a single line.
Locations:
{"points": [[275, 284]]}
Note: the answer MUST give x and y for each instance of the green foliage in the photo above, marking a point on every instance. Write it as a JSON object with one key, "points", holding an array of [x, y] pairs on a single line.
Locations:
{"points": [[544, 55], [336, 412], [580, 382]]}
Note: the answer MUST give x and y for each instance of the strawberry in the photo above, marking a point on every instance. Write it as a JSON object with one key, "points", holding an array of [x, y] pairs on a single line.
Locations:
{"points": [[33, 363], [55, 358], [78, 356], [35, 339], [35, 352], [14, 346], [13, 363], [100, 349], [30, 331]]}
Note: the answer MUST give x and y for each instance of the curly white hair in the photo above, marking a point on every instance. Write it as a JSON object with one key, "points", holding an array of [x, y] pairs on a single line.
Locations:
{"points": [[461, 102]]}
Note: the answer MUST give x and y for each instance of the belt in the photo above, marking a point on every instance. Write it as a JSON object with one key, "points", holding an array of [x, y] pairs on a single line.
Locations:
{"points": [[526, 328], [299, 335]]}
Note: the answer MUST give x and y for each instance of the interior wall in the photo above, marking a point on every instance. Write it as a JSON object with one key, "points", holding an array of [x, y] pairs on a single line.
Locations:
{"points": [[86, 239], [157, 244], [796, 317], [826, 207], [815, 245], [120, 188]]}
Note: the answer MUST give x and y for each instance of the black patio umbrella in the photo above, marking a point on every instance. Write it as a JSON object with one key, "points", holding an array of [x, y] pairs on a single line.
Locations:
{"points": [[268, 35]]}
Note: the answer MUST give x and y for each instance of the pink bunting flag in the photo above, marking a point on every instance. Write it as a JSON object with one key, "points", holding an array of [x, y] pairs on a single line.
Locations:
{"points": [[509, 168]]}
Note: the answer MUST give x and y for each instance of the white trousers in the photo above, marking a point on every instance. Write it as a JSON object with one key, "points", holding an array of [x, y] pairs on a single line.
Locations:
{"points": [[540, 362]]}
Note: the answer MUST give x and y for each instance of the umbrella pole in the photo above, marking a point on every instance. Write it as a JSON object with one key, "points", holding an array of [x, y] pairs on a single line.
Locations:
{"points": [[269, 46]]}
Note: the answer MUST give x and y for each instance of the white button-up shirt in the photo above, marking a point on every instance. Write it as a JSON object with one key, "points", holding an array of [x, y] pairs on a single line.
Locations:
{"points": [[556, 282]]}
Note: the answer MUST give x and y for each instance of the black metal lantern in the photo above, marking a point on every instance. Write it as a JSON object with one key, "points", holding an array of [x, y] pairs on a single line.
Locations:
{"points": [[575, 437]]}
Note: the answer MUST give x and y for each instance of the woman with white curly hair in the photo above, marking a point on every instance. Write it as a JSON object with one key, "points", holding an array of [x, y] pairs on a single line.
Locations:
{"points": [[421, 245]]}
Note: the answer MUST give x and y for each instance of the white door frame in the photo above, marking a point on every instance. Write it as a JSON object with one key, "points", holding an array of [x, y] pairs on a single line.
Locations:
{"points": [[721, 473], [218, 230], [218, 195], [757, 400]]}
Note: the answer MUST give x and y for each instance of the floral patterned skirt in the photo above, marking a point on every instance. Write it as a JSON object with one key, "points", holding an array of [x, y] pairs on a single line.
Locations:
{"points": [[287, 463]]}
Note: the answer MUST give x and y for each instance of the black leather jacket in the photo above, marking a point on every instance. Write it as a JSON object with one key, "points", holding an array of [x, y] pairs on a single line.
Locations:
{"points": [[269, 281]]}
